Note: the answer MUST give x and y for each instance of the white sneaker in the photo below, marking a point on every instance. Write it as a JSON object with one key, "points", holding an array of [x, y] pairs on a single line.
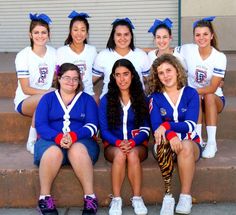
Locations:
{"points": [[209, 151], [115, 206], [184, 205], [139, 206], [30, 146], [168, 205]]}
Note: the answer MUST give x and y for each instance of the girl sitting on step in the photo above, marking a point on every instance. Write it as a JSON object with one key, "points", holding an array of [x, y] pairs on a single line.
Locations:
{"points": [[35, 67]]}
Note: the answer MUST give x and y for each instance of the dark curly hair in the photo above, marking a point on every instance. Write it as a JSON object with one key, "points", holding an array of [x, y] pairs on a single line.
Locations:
{"points": [[137, 97]]}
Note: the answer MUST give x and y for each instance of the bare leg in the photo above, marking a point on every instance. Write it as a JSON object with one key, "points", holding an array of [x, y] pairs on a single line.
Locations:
{"points": [[134, 159], [118, 159], [82, 166], [49, 166], [186, 164]]}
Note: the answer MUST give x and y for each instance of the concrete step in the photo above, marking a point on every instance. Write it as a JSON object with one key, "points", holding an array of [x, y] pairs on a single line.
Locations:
{"points": [[8, 80], [19, 184], [14, 127]]}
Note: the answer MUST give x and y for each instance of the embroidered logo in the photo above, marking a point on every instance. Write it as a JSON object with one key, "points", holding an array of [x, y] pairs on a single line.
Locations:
{"points": [[134, 132], [163, 111], [200, 76], [43, 71], [81, 64]]}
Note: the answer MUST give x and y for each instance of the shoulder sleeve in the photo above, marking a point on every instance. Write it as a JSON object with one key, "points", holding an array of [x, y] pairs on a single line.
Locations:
{"points": [[21, 63], [60, 55], [98, 67], [220, 65], [145, 63]]}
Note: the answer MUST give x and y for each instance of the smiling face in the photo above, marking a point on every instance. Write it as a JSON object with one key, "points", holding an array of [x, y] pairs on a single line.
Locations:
{"points": [[122, 37], [79, 32], [123, 78], [167, 75], [203, 37], [69, 81], [39, 35], [162, 39]]}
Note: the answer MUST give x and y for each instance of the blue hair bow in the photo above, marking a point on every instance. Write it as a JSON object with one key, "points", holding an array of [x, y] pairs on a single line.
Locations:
{"points": [[124, 19], [42, 16], [209, 19], [74, 14], [158, 22]]}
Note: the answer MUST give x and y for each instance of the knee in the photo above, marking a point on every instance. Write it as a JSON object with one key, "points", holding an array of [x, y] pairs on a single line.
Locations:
{"points": [[187, 150], [209, 99], [133, 157], [53, 153], [77, 150], [120, 157]]}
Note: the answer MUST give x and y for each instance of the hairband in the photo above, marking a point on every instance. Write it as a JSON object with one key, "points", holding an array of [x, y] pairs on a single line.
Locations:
{"points": [[208, 19], [42, 16], [124, 19], [74, 14], [158, 22]]}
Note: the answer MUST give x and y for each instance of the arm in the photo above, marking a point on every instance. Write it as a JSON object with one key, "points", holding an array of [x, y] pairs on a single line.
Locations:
{"points": [[103, 122], [214, 84], [25, 86], [42, 119]]}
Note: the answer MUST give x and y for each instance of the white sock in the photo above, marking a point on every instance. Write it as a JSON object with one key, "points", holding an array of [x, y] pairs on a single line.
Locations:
{"points": [[90, 195], [199, 131], [43, 196], [32, 134], [211, 134]]}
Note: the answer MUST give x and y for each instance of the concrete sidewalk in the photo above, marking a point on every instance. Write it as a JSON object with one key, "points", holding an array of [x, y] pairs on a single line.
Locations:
{"points": [[198, 209]]}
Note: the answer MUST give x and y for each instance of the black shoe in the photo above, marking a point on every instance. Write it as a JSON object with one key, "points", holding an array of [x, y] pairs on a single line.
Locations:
{"points": [[90, 206], [47, 206]]}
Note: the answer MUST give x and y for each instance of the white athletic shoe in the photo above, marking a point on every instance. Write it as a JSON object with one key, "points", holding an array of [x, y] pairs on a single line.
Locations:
{"points": [[139, 206], [184, 205], [168, 205], [210, 150], [115, 206]]}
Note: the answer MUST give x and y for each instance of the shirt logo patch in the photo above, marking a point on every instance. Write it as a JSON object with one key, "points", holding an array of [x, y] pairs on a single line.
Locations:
{"points": [[163, 111], [43, 71], [200, 75], [134, 132], [81, 64], [183, 110], [150, 105]]}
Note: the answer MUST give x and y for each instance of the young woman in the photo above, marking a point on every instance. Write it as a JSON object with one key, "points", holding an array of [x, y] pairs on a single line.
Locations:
{"points": [[162, 34], [66, 121], [77, 51], [174, 109], [35, 67], [120, 45], [206, 69], [123, 118]]}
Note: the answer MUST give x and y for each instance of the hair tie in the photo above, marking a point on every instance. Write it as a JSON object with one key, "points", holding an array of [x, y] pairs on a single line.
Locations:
{"points": [[158, 22], [208, 19], [74, 14], [124, 19], [58, 69], [40, 17]]}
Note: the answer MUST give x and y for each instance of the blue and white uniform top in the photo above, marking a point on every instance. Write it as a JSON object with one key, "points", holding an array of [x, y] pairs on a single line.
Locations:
{"points": [[84, 61], [200, 72], [39, 70], [53, 117], [125, 131], [106, 59], [179, 119]]}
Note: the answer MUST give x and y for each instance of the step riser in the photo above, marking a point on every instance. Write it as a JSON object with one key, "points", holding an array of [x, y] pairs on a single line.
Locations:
{"points": [[207, 187], [8, 83], [17, 127]]}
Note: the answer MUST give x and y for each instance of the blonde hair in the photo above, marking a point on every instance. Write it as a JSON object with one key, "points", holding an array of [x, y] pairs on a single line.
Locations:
{"points": [[155, 84]]}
